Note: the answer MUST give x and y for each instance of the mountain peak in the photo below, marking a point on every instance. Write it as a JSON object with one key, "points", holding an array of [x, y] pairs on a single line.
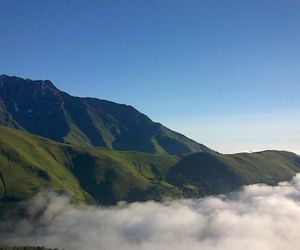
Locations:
{"points": [[42, 109], [15, 80]]}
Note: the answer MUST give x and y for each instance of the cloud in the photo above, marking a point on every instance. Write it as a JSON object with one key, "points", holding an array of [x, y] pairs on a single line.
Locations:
{"points": [[258, 217]]}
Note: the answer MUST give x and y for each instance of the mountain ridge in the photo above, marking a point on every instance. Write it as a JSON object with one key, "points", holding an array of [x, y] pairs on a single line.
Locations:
{"points": [[104, 152], [41, 108]]}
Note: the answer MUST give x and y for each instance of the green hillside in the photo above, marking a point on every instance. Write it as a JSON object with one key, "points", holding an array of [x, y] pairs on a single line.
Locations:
{"points": [[42, 109], [29, 164], [204, 174]]}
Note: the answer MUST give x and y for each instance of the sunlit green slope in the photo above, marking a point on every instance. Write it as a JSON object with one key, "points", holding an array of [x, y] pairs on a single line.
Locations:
{"points": [[29, 164]]}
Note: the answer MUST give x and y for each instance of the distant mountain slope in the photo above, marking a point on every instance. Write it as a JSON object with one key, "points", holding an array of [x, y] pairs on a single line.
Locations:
{"points": [[205, 173], [40, 108]]}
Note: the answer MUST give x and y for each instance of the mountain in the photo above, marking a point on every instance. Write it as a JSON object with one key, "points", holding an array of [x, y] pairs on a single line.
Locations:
{"points": [[103, 152], [30, 164], [40, 108], [206, 173]]}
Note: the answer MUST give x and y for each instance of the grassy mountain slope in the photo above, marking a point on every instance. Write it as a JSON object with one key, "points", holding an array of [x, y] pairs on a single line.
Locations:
{"points": [[42, 109], [5, 117], [29, 164], [204, 173], [111, 176]]}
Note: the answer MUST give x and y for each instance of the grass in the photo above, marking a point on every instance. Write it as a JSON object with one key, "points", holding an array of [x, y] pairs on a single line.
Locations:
{"points": [[29, 164], [204, 173]]}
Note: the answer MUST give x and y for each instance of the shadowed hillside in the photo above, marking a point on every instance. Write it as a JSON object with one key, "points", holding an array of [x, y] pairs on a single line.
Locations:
{"points": [[205, 174]]}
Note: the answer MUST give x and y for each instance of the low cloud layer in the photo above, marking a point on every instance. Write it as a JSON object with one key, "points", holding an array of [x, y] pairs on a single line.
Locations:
{"points": [[258, 217]]}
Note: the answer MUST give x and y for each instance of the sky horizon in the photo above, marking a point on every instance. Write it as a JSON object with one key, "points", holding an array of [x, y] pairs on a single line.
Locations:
{"points": [[225, 74]]}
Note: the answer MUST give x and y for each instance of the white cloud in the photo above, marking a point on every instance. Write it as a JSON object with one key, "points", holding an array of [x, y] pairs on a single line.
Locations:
{"points": [[258, 217]]}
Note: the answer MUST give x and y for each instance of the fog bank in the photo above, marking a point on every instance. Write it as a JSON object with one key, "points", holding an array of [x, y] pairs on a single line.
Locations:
{"points": [[258, 217]]}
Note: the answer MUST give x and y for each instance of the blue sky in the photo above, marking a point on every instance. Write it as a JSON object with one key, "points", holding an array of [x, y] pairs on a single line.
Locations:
{"points": [[226, 73]]}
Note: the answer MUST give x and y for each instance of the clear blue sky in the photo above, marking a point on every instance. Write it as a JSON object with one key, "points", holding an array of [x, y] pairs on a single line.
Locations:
{"points": [[224, 72]]}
